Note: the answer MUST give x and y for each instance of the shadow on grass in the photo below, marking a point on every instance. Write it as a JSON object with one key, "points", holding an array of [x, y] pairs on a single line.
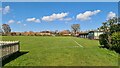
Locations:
{"points": [[117, 51], [13, 57]]}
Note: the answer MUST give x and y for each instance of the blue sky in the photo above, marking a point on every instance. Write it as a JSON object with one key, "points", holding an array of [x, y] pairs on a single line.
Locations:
{"points": [[59, 0], [38, 16]]}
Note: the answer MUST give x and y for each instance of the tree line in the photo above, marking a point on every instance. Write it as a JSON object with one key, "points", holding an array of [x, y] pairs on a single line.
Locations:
{"points": [[6, 31]]}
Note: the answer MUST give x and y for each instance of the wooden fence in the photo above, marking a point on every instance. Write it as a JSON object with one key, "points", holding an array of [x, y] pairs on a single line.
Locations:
{"points": [[8, 48]]}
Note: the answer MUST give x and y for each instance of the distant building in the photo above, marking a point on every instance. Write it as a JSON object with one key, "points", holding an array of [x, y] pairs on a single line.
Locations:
{"points": [[47, 33], [91, 34], [65, 33], [94, 34], [13, 33], [83, 35]]}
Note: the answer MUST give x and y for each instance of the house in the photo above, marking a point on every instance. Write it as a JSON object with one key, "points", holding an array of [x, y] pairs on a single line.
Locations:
{"points": [[45, 33], [94, 34], [90, 34], [83, 35], [65, 33], [13, 33]]}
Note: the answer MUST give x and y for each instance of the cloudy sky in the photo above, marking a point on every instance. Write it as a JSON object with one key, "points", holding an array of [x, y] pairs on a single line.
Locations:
{"points": [[38, 16]]}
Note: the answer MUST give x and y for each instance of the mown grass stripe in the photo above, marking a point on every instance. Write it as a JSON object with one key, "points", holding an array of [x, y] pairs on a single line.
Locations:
{"points": [[77, 43]]}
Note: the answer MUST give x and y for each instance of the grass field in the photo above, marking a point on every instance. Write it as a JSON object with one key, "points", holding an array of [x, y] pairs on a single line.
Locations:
{"points": [[61, 51]]}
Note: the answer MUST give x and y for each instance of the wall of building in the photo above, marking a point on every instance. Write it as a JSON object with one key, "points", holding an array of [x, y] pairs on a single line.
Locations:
{"points": [[97, 34]]}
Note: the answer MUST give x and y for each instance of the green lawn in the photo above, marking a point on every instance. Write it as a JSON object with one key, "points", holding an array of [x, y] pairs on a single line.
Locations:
{"points": [[61, 51]]}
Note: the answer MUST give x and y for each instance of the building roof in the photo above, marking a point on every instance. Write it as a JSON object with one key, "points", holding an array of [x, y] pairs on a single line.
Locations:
{"points": [[83, 33]]}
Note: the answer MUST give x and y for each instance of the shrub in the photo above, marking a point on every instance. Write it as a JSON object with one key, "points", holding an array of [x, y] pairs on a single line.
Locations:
{"points": [[103, 38], [116, 41]]}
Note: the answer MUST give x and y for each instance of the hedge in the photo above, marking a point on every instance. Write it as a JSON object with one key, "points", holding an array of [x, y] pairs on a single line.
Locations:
{"points": [[103, 40], [116, 41]]}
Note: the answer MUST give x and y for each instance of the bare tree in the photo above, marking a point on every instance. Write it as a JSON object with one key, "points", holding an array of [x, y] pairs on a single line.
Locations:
{"points": [[75, 28]]}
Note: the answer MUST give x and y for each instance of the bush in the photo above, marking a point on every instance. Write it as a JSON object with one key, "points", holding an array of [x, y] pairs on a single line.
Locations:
{"points": [[103, 40], [116, 41]]}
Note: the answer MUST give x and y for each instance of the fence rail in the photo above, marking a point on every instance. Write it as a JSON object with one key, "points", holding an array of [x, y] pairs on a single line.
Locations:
{"points": [[8, 48]]}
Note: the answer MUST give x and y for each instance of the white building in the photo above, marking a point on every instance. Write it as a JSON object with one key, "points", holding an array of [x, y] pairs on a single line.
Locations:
{"points": [[94, 34]]}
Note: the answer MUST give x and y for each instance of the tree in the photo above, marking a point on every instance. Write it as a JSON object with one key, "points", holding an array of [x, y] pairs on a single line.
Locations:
{"points": [[110, 28], [116, 41], [56, 33], [1, 32], [75, 28], [114, 26], [6, 28]]}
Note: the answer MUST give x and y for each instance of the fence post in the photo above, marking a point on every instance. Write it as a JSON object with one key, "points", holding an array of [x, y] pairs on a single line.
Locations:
{"points": [[18, 46]]}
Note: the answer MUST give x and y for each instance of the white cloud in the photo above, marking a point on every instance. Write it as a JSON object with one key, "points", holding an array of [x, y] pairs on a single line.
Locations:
{"points": [[11, 21], [33, 20], [111, 15], [54, 17], [37, 20], [87, 15], [24, 24], [6, 9], [65, 19], [18, 22], [30, 19]]}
